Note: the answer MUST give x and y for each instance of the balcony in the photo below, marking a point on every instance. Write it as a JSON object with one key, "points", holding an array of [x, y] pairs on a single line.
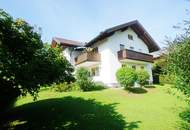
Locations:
{"points": [[134, 55], [87, 57]]}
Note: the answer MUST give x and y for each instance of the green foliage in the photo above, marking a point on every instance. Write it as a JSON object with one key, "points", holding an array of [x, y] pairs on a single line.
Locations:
{"points": [[142, 76], [126, 76], [179, 63], [65, 87], [161, 62], [25, 64], [185, 116], [84, 80], [159, 68], [167, 79]]}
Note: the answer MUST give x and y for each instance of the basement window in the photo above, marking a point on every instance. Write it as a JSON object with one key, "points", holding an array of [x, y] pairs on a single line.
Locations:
{"points": [[130, 37]]}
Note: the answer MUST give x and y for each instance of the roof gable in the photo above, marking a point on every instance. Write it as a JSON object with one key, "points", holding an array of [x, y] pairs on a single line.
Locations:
{"points": [[134, 25]]}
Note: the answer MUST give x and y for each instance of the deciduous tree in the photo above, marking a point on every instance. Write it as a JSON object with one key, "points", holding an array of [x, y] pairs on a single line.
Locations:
{"points": [[25, 63]]}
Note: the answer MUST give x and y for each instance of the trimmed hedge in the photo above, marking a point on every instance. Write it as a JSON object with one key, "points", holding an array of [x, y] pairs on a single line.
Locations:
{"points": [[126, 76], [142, 77]]}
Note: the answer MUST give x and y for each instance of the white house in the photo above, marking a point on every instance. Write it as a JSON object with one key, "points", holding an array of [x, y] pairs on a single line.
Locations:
{"points": [[126, 44]]}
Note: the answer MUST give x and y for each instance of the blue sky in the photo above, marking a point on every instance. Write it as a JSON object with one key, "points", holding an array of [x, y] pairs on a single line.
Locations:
{"points": [[82, 20]]}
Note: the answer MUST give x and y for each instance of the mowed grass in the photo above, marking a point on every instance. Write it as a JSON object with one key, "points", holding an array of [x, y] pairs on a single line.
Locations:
{"points": [[109, 109]]}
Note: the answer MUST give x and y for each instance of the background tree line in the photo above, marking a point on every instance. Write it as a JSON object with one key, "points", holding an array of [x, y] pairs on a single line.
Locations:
{"points": [[173, 66]]}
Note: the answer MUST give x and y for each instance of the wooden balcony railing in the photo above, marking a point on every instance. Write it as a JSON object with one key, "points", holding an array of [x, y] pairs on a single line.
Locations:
{"points": [[87, 56], [134, 55]]}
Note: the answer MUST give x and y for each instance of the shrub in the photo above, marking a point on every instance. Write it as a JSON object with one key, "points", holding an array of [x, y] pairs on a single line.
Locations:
{"points": [[167, 79], [126, 76], [142, 76], [84, 80], [66, 87], [178, 62]]}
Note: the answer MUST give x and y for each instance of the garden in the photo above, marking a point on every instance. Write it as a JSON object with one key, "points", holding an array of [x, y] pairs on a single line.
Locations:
{"points": [[158, 108], [39, 88]]}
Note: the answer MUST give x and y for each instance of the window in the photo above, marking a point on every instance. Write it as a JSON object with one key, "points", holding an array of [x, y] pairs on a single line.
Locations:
{"points": [[142, 67], [131, 47], [95, 50], [130, 37], [124, 65], [95, 71], [134, 67], [122, 47]]}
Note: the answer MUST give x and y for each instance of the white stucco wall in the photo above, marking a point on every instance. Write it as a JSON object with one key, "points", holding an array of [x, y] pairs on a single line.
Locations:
{"points": [[66, 53], [70, 54], [108, 49], [109, 59]]}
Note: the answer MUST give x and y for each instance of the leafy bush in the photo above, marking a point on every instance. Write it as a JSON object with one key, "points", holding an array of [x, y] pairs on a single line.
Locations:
{"points": [[142, 76], [179, 63], [65, 87], [167, 79], [126, 76], [84, 80]]}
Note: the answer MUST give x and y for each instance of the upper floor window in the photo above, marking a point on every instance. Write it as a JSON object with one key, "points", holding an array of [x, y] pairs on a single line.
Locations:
{"points": [[131, 47], [130, 37], [122, 47], [95, 50]]}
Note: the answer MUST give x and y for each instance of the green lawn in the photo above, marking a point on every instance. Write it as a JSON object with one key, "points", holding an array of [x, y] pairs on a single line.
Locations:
{"points": [[108, 109]]}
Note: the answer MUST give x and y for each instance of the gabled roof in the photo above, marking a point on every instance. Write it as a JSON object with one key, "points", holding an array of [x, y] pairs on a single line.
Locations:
{"points": [[136, 26], [66, 42]]}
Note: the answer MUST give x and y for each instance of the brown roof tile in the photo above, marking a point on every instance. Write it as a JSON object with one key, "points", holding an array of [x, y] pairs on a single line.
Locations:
{"points": [[66, 42]]}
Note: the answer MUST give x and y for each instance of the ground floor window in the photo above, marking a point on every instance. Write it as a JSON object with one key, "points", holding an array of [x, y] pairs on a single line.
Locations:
{"points": [[124, 65], [134, 67], [142, 67], [95, 71]]}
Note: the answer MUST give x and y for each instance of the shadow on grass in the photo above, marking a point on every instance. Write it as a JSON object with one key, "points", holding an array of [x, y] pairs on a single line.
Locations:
{"points": [[149, 86], [99, 87], [69, 113], [137, 90]]}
